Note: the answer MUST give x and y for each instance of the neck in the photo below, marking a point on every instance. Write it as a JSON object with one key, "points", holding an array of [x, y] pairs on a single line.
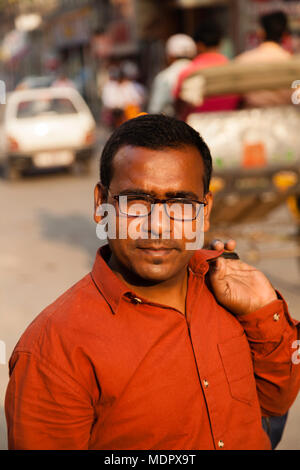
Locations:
{"points": [[171, 292], [209, 50]]}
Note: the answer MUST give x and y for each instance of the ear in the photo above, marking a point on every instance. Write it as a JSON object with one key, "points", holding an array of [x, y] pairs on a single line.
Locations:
{"points": [[207, 210], [100, 197]]}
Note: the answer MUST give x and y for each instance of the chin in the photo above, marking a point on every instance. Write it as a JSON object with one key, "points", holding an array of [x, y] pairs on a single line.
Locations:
{"points": [[154, 273]]}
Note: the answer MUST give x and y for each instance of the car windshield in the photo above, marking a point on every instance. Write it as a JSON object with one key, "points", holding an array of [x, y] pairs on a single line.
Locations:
{"points": [[33, 108]]}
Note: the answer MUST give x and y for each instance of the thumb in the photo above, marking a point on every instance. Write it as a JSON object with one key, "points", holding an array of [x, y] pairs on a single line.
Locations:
{"points": [[217, 275], [218, 268]]}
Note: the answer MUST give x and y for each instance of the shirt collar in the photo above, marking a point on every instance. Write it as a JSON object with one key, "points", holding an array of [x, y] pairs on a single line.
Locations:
{"points": [[199, 263], [110, 286], [113, 289]]}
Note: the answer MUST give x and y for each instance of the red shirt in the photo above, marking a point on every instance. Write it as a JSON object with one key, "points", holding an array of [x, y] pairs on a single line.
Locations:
{"points": [[101, 368], [212, 103]]}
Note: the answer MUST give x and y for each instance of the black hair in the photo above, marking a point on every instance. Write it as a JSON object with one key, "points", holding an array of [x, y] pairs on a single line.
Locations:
{"points": [[209, 34], [155, 132], [274, 25]]}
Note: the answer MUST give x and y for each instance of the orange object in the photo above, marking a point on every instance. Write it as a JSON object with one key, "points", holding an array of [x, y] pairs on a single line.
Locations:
{"points": [[12, 144], [254, 155], [142, 114], [283, 180], [101, 368], [131, 111]]}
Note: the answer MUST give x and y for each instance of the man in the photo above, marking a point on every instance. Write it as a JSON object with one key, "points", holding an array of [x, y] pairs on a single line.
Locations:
{"points": [[273, 29], [160, 346], [121, 96], [208, 39], [180, 49]]}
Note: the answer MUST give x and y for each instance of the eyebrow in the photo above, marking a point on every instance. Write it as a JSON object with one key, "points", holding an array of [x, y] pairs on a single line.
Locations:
{"points": [[169, 194], [136, 191], [182, 194]]}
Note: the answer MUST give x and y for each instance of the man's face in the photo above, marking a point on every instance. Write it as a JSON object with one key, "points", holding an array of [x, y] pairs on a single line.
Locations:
{"points": [[163, 174]]}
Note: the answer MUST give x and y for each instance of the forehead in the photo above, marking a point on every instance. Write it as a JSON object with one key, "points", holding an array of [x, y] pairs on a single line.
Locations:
{"points": [[160, 171]]}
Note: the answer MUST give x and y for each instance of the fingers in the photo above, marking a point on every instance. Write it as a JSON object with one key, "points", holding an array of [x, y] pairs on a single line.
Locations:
{"points": [[229, 245]]}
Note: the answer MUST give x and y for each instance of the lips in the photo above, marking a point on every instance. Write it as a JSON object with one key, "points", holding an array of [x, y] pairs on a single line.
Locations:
{"points": [[156, 246], [156, 251]]}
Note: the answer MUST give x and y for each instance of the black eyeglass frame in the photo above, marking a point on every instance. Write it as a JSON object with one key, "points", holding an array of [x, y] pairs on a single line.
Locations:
{"points": [[155, 200]]}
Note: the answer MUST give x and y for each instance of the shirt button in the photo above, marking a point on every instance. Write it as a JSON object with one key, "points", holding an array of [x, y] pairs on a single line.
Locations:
{"points": [[276, 316], [221, 444], [205, 383]]}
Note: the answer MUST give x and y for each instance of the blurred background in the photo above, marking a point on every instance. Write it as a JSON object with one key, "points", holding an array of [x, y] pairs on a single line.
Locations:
{"points": [[71, 71]]}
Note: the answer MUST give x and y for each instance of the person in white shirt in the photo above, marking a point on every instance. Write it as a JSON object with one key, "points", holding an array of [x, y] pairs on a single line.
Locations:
{"points": [[120, 91], [180, 49], [123, 97]]}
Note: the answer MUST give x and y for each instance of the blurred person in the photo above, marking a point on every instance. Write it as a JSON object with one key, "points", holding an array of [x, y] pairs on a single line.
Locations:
{"points": [[112, 113], [160, 346], [63, 80], [208, 39], [123, 97], [180, 49], [102, 76], [274, 28], [135, 89]]}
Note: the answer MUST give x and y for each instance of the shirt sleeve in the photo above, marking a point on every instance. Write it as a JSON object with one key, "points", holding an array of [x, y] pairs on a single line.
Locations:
{"points": [[160, 95], [274, 340], [177, 87], [46, 409]]}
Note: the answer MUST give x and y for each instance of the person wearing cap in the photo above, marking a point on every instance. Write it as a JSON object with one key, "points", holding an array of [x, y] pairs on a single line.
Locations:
{"points": [[180, 49]]}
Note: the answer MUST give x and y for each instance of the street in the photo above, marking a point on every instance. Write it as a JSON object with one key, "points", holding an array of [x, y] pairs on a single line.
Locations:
{"points": [[48, 242]]}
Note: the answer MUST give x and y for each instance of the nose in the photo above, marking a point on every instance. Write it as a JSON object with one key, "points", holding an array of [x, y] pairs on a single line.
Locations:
{"points": [[159, 224]]}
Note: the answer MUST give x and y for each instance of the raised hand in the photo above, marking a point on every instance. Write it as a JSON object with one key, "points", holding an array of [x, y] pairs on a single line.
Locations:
{"points": [[240, 288]]}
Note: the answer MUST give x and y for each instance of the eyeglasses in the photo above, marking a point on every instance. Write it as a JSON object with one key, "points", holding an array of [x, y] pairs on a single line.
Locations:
{"points": [[136, 205]]}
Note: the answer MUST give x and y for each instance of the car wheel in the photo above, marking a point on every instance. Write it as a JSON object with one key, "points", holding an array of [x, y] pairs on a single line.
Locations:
{"points": [[10, 172]]}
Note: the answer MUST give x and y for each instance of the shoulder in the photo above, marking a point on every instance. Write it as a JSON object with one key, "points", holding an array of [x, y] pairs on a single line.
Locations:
{"points": [[69, 318], [161, 77], [263, 53]]}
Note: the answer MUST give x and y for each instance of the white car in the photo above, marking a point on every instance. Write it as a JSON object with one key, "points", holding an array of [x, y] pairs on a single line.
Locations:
{"points": [[46, 128]]}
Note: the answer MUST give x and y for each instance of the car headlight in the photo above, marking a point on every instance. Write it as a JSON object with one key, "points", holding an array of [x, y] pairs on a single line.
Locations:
{"points": [[90, 137], [12, 143]]}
